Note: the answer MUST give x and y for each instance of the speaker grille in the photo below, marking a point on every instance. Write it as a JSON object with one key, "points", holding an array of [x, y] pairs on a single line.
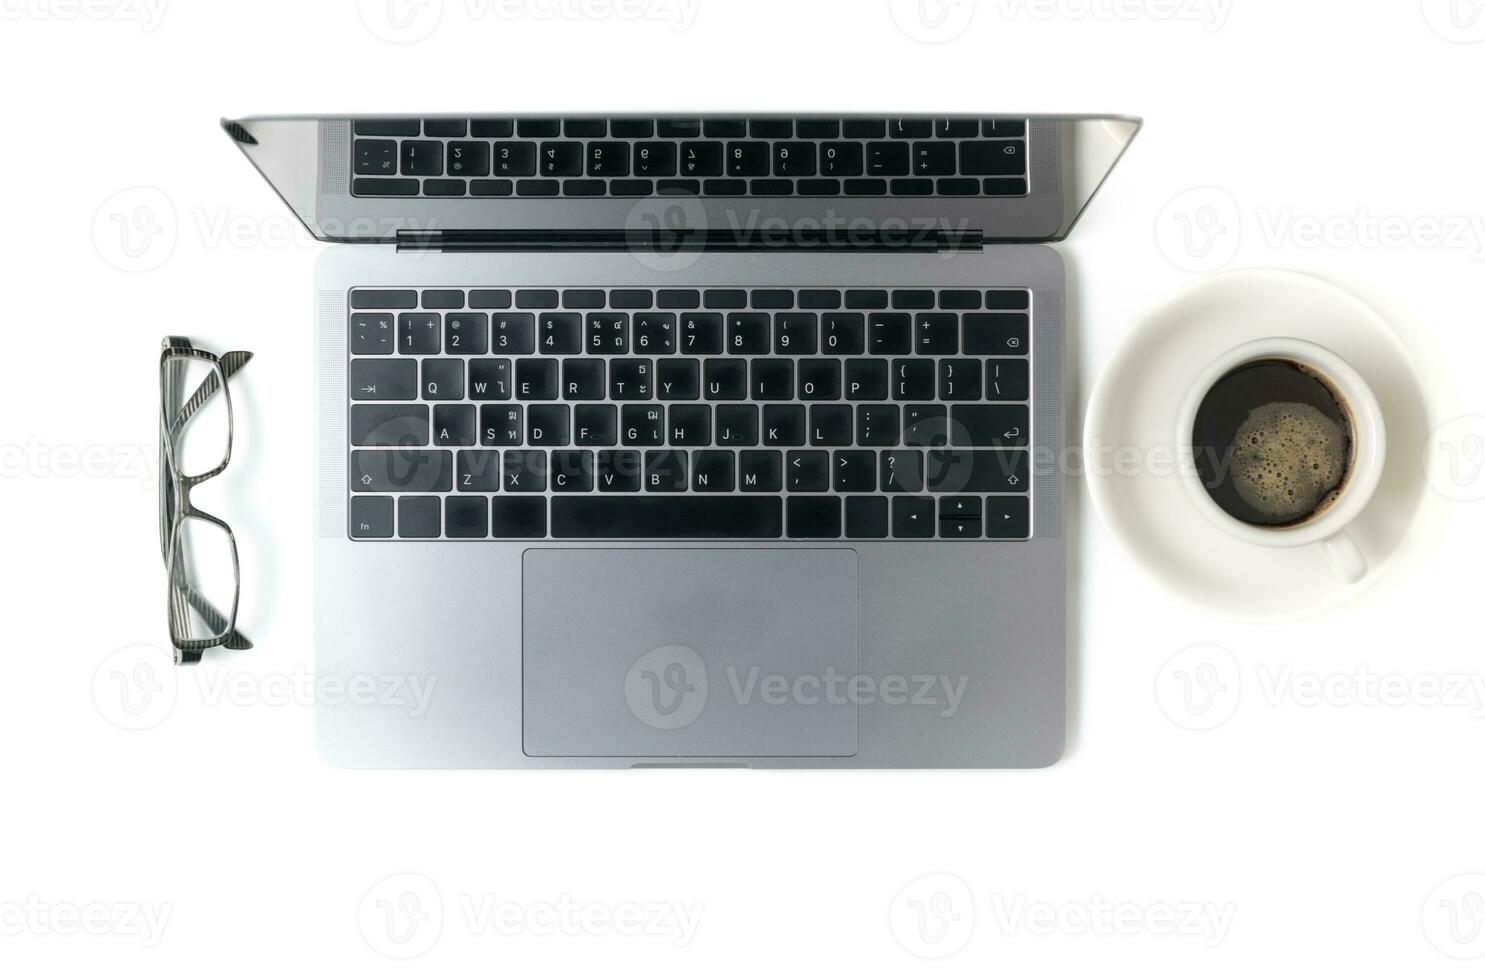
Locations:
{"points": [[332, 458], [335, 156], [1049, 477]]}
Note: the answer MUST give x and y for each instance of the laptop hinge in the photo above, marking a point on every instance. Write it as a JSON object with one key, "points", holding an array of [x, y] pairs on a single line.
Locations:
{"points": [[851, 240]]}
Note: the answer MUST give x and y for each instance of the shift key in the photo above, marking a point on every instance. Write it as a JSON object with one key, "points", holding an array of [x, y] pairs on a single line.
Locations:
{"points": [[384, 379], [402, 470]]}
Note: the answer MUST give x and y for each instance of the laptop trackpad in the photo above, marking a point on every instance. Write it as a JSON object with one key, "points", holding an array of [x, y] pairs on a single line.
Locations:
{"points": [[689, 652]]}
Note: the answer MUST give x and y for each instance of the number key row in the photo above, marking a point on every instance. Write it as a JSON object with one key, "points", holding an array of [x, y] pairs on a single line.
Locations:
{"points": [[936, 333]]}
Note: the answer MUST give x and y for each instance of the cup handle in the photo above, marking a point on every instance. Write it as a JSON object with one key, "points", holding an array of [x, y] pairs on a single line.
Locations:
{"points": [[1347, 560]]}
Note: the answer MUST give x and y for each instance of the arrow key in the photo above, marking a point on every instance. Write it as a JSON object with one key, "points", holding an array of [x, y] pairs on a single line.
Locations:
{"points": [[912, 517], [959, 527], [958, 508], [1007, 517]]}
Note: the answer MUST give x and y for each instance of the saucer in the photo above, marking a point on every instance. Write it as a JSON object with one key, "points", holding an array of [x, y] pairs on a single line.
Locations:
{"points": [[1129, 443]]}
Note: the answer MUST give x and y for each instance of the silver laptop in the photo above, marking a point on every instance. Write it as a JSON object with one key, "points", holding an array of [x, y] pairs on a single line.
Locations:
{"points": [[689, 440]]}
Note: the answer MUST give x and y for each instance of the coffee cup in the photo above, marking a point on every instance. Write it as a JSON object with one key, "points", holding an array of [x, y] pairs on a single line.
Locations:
{"points": [[1282, 445]]}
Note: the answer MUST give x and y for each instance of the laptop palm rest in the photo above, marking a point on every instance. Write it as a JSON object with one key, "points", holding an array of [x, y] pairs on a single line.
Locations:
{"points": [[682, 652]]}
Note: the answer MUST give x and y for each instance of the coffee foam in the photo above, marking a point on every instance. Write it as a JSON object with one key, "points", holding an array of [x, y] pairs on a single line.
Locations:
{"points": [[1288, 458]]}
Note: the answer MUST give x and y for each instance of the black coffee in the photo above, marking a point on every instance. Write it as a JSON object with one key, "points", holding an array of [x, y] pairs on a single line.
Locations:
{"points": [[1272, 442]]}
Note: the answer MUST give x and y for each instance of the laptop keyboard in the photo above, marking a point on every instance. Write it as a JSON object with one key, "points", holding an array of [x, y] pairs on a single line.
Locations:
{"points": [[957, 156], [726, 413]]}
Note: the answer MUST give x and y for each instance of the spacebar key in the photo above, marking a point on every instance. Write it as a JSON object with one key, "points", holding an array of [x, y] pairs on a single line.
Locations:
{"points": [[667, 517]]}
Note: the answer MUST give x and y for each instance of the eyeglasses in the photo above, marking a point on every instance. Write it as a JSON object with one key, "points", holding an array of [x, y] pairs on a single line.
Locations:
{"points": [[199, 549]]}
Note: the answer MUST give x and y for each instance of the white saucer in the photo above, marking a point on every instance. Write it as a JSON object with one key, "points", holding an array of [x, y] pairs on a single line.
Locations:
{"points": [[1128, 439]]}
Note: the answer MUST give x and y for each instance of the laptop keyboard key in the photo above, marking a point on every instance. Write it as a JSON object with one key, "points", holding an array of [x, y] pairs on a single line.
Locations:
{"points": [[608, 333], [877, 425], [814, 517], [378, 379], [889, 333], [819, 379], [418, 517], [855, 471], [737, 425], [371, 517], [518, 517], [1007, 379], [688, 516], [654, 333], [401, 470], [500, 425], [960, 379], [417, 333], [866, 378], [571, 471], [373, 333], [548, 425], [712, 471], [595, 425], [618, 471], [466, 517], [642, 425], [376, 157], [536, 379], [582, 379], [665, 471], [866, 517], [477, 471], [1003, 426], [559, 333], [747, 333], [523, 471], [912, 517], [783, 425], [925, 425], [389, 425], [760, 471], [678, 378], [772, 379], [725, 378], [1007, 517], [690, 425], [512, 333], [902, 471], [453, 425]]}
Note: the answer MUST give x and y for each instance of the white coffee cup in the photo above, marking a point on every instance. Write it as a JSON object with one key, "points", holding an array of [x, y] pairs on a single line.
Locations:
{"points": [[1327, 529]]}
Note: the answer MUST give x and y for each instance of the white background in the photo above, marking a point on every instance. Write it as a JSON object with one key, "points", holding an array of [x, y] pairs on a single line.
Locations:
{"points": [[1309, 836]]}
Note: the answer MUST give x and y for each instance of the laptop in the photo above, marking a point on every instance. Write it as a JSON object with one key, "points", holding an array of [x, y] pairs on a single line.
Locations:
{"points": [[689, 440]]}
